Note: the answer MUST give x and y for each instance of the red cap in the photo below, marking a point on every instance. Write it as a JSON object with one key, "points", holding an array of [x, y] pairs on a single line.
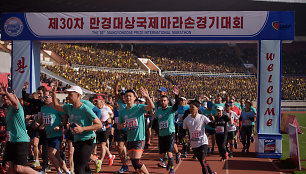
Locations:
{"points": [[99, 97]]}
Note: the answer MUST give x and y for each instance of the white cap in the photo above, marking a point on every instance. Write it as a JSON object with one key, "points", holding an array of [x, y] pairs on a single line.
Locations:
{"points": [[75, 89], [220, 108], [142, 99], [183, 98], [205, 104]]}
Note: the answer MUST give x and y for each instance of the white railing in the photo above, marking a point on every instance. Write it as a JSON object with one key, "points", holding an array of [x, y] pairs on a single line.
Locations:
{"points": [[185, 73], [109, 69]]}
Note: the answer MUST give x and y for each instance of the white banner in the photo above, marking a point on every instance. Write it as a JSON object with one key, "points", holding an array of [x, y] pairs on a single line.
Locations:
{"points": [[269, 87], [21, 65], [294, 146], [93, 24]]}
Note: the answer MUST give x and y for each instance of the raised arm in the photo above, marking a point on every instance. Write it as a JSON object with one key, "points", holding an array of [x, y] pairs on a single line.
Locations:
{"points": [[55, 103], [10, 96], [25, 96], [146, 95], [176, 93]]}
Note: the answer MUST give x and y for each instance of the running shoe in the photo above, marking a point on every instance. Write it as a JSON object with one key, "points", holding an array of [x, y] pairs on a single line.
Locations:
{"points": [[123, 169], [98, 166], [178, 157], [35, 164], [48, 169], [171, 171], [194, 157], [162, 164], [111, 160], [231, 155], [223, 159], [184, 155]]}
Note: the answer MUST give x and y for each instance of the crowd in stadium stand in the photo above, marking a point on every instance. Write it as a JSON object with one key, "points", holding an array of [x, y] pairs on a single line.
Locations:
{"points": [[207, 58], [187, 58], [192, 58], [293, 57], [293, 88], [102, 82], [49, 82], [93, 54], [242, 87]]}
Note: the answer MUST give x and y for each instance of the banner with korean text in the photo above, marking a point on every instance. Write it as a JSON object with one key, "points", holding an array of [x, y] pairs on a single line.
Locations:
{"points": [[111, 26], [21, 65]]}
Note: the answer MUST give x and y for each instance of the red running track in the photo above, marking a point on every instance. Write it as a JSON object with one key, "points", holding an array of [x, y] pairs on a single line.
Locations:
{"points": [[241, 163]]}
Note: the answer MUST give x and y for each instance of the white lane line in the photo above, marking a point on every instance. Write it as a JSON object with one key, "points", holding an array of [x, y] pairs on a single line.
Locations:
{"points": [[178, 165], [226, 167], [275, 166]]}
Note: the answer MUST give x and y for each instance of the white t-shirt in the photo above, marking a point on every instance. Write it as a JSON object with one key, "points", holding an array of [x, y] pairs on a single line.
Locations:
{"points": [[105, 111], [196, 127], [231, 127]]}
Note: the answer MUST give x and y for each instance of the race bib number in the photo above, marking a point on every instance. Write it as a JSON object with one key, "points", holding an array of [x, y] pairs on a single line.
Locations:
{"points": [[37, 116], [132, 123], [246, 122], [163, 124], [219, 129], [196, 135], [48, 120], [116, 119]]}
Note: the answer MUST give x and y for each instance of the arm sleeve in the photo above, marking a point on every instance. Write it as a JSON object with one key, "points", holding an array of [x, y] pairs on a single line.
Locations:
{"points": [[186, 113], [176, 104], [25, 96], [97, 111]]}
